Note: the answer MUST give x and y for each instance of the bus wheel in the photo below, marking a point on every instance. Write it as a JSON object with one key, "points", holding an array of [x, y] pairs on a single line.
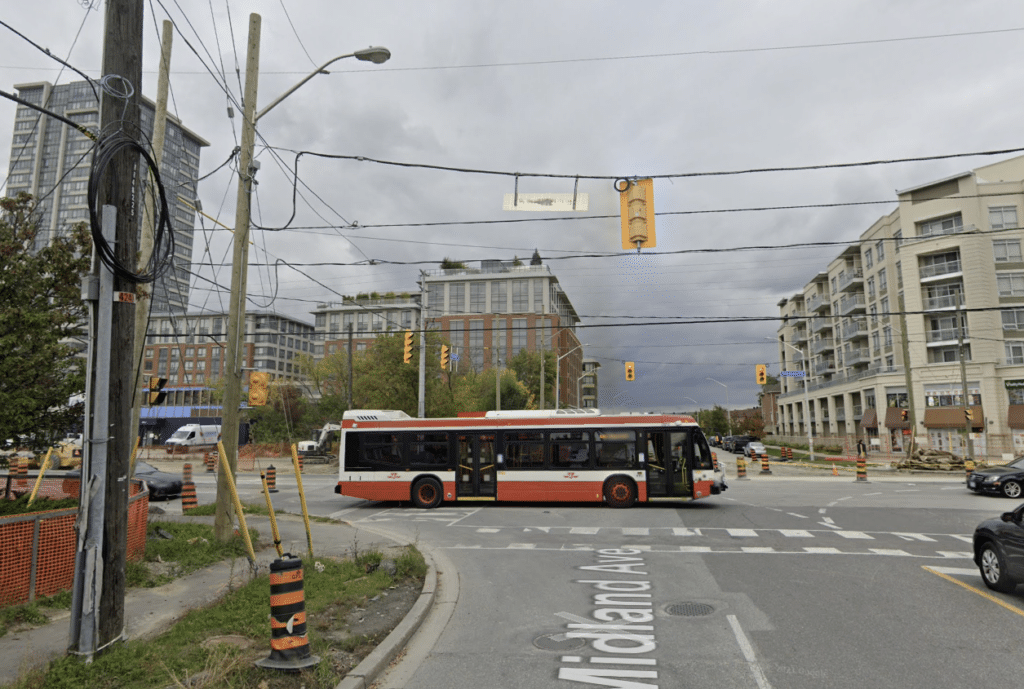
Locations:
{"points": [[426, 493], [620, 492]]}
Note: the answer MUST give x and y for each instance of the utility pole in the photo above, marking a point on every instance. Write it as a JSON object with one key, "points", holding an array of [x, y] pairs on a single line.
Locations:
{"points": [[963, 382], [421, 408], [350, 377], [542, 357], [97, 618], [908, 447], [145, 295], [233, 374]]}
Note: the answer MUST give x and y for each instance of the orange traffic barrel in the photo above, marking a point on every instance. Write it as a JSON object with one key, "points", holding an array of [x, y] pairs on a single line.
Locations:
{"points": [[188, 497], [289, 643]]}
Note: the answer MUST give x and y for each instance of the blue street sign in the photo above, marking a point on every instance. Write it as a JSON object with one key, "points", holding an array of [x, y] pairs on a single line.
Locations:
{"points": [[454, 357], [793, 374]]}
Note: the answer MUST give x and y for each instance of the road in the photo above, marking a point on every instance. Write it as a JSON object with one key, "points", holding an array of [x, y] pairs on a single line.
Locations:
{"points": [[779, 582]]}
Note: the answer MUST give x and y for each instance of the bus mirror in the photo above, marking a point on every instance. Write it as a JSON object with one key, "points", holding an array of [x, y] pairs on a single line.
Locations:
{"points": [[501, 459], [641, 457]]}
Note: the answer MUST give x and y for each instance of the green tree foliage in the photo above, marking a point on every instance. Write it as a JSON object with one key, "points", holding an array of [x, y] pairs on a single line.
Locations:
{"points": [[526, 366], [750, 425], [714, 421], [281, 419], [326, 388], [41, 325]]}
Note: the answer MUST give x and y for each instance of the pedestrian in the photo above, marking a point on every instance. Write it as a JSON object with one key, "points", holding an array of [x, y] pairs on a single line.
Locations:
{"points": [[861, 448]]}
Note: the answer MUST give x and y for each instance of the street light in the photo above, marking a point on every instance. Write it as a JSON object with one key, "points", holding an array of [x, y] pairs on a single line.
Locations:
{"points": [[698, 406], [727, 410], [558, 372], [807, 406], [240, 258]]}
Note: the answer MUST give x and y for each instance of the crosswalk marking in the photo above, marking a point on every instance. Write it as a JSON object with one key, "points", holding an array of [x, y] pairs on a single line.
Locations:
{"points": [[643, 531], [890, 551], [588, 530], [915, 536], [954, 555], [742, 533], [755, 549], [522, 546], [965, 539], [695, 549], [683, 531], [796, 533], [488, 530], [855, 534], [822, 551]]}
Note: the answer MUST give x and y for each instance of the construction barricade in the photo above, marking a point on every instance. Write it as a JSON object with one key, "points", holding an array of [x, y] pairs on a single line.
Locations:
{"points": [[289, 643]]}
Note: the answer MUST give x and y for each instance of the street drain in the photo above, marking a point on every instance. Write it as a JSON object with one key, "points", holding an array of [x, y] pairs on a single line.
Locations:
{"points": [[558, 642], [689, 609]]}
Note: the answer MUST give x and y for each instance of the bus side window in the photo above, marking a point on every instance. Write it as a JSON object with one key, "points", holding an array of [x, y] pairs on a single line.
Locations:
{"points": [[701, 452], [616, 449]]}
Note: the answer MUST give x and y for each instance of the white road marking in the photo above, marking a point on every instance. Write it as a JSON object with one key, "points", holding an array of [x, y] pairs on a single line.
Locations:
{"points": [[822, 551], [909, 490], [340, 513], [953, 570], [888, 551], [953, 555], [584, 530], [794, 514], [636, 532], [683, 531], [742, 533], [869, 494], [965, 539], [821, 511], [522, 546], [755, 549], [488, 530], [748, 653], [694, 549], [796, 533], [912, 536], [855, 534]]}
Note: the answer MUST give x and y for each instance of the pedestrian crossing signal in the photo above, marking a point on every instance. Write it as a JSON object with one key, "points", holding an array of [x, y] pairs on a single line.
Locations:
{"points": [[630, 371], [762, 374]]}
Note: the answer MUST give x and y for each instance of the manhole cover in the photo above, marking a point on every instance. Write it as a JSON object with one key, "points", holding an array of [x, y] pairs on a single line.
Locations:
{"points": [[558, 642], [689, 609]]}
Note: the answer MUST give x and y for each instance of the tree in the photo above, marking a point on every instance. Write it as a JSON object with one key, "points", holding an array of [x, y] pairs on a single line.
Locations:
{"points": [[751, 425], [526, 365], [281, 419], [40, 325], [714, 420]]}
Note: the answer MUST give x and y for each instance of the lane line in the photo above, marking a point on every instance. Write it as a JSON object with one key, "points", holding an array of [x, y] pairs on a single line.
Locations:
{"points": [[794, 514], [983, 594], [748, 653]]}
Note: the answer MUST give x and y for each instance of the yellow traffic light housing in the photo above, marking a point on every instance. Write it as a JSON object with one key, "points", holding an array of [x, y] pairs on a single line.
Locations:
{"points": [[407, 358], [903, 414], [636, 206], [762, 374], [444, 356], [157, 394], [968, 414], [630, 370], [258, 390]]}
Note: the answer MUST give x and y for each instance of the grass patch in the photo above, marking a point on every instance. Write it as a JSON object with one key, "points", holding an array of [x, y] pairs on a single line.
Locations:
{"points": [[331, 587], [41, 504], [192, 547], [211, 509]]}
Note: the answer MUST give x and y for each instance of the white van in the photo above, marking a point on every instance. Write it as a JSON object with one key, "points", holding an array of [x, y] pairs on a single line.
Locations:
{"points": [[192, 435]]}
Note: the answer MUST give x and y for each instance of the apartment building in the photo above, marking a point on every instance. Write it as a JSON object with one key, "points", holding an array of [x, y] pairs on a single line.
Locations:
{"points": [[357, 322], [51, 161], [588, 384], [878, 333], [189, 351]]}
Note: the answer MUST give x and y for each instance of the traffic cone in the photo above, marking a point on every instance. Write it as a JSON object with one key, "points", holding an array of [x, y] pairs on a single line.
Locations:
{"points": [[835, 472]]}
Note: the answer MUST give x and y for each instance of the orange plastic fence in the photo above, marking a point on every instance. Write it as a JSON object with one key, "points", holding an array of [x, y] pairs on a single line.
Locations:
{"points": [[39, 547]]}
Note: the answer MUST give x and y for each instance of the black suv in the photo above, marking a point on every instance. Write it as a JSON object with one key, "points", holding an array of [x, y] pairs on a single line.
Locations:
{"points": [[736, 443], [999, 551]]}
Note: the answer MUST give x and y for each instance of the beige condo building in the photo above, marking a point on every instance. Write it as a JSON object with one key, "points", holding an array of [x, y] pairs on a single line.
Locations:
{"points": [[878, 332]]}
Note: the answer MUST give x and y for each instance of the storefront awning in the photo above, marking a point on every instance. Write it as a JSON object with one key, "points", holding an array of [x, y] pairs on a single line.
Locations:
{"points": [[953, 417], [1015, 417], [870, 419], [894, 418]]}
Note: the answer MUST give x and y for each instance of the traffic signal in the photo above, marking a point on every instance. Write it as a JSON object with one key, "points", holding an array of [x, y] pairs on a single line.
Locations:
{"points": [[968, 414], [444, 356], [157, 394], [408, 347], [258, 388], [903, 414], [630, 371], [762, 374], [636, 207]]}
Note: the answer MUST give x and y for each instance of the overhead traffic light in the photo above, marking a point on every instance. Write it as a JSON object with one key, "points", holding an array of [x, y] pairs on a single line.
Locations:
{"points": [[157, 394], [630, 371], [407, 358], [762, 374], [258, 388], [444, 356], [903, 414], [968, 414], [636, 206]]}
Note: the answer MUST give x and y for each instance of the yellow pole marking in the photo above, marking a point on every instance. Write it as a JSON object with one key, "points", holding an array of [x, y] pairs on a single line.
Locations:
{"points": [[226, 468], [39, 479], [983, 594], [302, 497], [273, 518]]}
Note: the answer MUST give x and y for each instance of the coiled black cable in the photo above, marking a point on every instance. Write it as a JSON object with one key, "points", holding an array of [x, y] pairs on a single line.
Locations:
{"points": [[109, 146]]}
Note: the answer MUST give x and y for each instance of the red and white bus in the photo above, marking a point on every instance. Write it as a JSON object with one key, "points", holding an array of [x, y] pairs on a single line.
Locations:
{"points": [[524, 456]]}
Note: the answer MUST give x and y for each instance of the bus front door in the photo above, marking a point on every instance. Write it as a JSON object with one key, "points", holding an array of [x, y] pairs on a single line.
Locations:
{"points": [[667, 465], [477, 471]]}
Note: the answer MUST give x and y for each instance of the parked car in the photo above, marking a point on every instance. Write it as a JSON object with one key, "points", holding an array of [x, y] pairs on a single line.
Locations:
{"points": [[1006, 480], [161, 484], [736, 443], [999, 551], [754, 448], [715, 440]]}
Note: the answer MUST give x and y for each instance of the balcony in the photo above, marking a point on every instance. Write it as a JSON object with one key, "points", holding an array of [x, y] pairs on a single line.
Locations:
{"points": [[948, 301], [817, 302], [819, 324], [826, 367], [855, 330], [857, 356], [824, 344], [851, 303], [799, 337], [858, 412], [944, 336], [944, 269], [850, 280]]}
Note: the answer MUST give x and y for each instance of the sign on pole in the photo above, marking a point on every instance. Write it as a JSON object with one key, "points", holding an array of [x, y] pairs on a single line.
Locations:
{"points": [[546, 202]]}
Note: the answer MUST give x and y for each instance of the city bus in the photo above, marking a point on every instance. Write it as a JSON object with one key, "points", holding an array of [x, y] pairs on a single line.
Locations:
{"points": [[525, 456]]}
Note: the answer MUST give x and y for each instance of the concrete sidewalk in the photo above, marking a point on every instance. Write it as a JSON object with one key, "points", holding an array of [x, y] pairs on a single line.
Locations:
{"points": [[149, 612]]}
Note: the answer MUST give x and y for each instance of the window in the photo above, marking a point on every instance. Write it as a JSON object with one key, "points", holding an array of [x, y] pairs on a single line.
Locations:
{"points": [[524, 450], [476, 344], [833, 285], [520, 296], [1002, 217], [1006, 250], [941, 355], [429, 451], [871, 288], [883, 281], [570, 449], [951, 224], [880, 249], [868, 262], [873, 310], [884, 303], [1013, 319], [887, 336], [519, 335], [538, 296], [477, 297], [499, 291], [1010, 284], [1014, 352], [456, 297], [615, 449]]}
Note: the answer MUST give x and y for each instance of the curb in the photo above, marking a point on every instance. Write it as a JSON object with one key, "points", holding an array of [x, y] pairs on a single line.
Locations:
{"points": [[373, 665]]}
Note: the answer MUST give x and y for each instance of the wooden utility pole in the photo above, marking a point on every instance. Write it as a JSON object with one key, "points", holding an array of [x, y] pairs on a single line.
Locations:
{"points": [[233, 374]]}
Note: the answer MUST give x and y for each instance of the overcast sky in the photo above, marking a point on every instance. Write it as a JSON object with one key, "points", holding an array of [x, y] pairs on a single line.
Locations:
{"points": [[571, 88]]}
